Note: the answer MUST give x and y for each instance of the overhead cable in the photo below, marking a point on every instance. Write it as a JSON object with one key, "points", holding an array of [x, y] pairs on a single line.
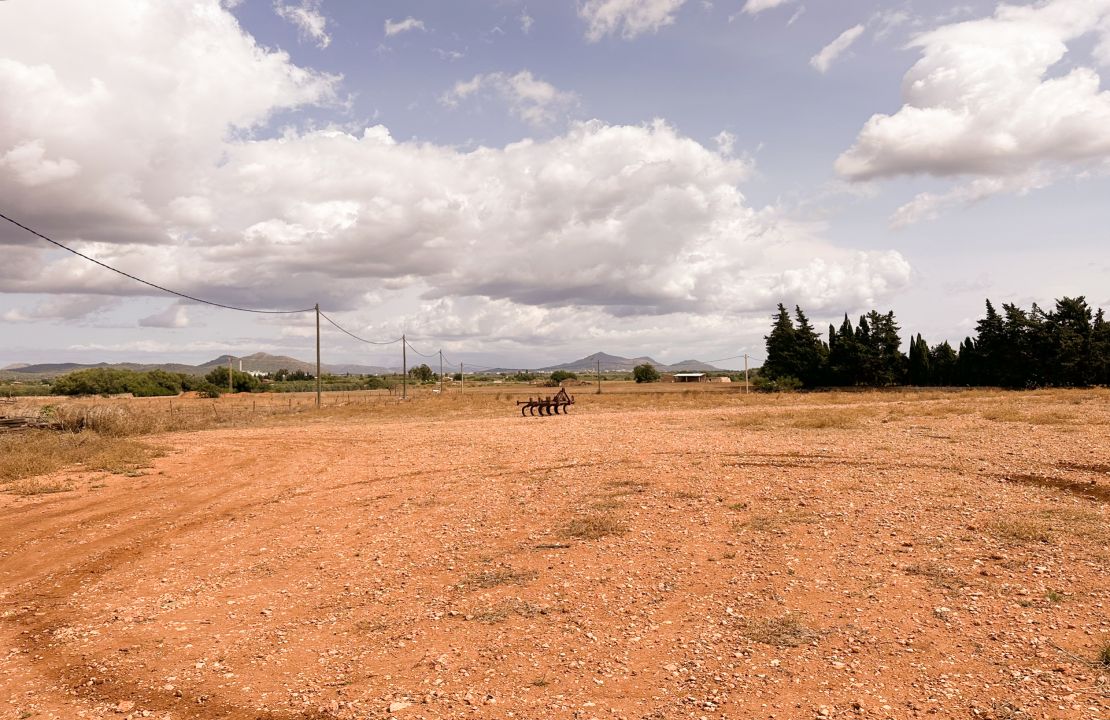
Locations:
{"points": [[356, 337], [150, 284]]}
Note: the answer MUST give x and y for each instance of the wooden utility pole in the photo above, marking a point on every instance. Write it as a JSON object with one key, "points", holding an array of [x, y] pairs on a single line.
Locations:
{"points": [[230, 375], [747, 387], [462, 380], [599, 376], [317, 354], [404, 368], [441, 373]]}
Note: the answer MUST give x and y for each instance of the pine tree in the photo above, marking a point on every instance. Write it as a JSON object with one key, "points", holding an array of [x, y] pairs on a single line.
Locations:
{"points": [[810, 354], [781, 346], [1100, 350], [943, 365], [989, 347]]}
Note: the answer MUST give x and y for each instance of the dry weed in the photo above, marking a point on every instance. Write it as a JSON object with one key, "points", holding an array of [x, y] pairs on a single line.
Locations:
{"points": [[786, 631], [595, 527], [27, 454], [499, 576]]}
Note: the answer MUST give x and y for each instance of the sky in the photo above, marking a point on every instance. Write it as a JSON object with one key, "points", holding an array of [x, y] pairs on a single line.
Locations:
{"points": [[521, 183]]}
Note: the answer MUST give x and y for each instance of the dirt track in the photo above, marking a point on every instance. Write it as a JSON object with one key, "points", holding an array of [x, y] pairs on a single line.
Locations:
{"points": [[882, 559]]}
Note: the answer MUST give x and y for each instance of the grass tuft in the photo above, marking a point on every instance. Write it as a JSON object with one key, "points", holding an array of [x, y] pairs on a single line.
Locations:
{"points": [[595, 527]]}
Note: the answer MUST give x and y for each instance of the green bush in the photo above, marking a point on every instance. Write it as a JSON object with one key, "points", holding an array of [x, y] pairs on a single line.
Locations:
{"points": [[645, 373], [241, 381], [785, 383], [559, 376], [114, 381]]}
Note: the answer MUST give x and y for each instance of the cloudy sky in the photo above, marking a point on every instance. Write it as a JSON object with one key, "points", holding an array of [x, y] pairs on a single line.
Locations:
{"points": [[524, 182]]}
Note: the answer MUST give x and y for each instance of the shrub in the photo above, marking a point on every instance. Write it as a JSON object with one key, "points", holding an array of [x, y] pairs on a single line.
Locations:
{"points": [[784, 383], [559, 376], [241, 381], [645, 373]]}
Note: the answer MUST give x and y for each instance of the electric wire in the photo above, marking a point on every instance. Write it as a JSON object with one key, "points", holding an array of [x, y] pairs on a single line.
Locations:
{"points": [[356, 337], [150, 284], [435, 354]]}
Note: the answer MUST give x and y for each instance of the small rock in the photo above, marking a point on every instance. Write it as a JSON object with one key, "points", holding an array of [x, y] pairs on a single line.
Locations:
{"points": [[398, 706], [125, 706]]}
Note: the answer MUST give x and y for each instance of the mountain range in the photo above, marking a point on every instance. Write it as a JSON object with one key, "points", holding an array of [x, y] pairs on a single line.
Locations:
{"points": [[264, 362]]}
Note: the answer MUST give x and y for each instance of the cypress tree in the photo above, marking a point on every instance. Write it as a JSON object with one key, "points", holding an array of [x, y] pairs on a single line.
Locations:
{"points": [[943, 365], [919, 374]]}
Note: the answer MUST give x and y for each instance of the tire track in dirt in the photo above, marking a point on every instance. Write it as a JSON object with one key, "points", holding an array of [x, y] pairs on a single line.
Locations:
{"points": [[41, 594]]}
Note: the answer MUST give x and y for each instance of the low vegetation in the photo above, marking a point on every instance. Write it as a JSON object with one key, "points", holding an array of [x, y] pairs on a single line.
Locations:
{"points": [[40, 452]]}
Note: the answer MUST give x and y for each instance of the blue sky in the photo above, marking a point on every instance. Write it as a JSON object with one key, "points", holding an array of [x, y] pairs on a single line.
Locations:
{"points": [[521, 183]]}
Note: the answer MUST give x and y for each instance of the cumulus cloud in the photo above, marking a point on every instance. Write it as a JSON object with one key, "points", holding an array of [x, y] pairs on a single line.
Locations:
{"points": [[753, 7], [535, 101], [991, 99], [628, 18], [174, 316], [829, 54], [60, 307], [396, 27], [307, 18], [600, 221]]}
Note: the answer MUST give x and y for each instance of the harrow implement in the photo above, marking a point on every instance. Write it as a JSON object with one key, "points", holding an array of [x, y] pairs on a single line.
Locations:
{"points": [[549, 405]]}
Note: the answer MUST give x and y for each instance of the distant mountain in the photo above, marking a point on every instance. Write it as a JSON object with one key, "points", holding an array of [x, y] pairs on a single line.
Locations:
{"points": [[258, 362], [615, 363]]}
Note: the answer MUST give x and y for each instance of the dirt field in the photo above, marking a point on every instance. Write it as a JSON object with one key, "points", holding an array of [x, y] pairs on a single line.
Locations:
{"points": [[679, 555]]}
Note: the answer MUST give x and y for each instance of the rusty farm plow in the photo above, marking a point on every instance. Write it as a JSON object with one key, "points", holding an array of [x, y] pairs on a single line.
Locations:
{"points": [[550, 405]]}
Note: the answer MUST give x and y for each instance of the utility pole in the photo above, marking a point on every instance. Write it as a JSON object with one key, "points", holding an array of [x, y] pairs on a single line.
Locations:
{"points": [[599, 376], [441, 373], [747, 388], [404, 369], [230, 376], [317, 354], [462, 380]]}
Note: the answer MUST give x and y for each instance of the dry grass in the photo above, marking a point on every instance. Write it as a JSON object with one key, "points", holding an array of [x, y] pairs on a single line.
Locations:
{"points": [[1020, 529], [774, 522], [1103, 657], [785, 631], [499, 576], [831, 418], [595, 526], [505, 609], [1013, 414], [29, 454]]}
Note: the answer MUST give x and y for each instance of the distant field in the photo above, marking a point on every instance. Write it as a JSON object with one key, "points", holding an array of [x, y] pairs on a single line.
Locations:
{"points": [[663, 551]]}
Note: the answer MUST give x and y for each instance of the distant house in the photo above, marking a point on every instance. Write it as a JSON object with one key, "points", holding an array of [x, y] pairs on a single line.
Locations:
{"points": [[684, 377]]}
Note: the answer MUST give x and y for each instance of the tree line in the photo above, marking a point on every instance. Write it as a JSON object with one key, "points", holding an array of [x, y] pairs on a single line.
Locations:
{"points": [[1066, 346]]}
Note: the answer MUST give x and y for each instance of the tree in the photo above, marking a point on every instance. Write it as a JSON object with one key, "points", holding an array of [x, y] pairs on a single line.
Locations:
{"points": [[559, 376], [781, 346], [241, 381], [943, 365], [919, 370], [645, 373], [422, 373], [810, 354]]}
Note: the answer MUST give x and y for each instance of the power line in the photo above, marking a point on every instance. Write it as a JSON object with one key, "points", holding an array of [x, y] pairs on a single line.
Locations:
{"points": [[356, 337], [418, 352], [150, 284]]}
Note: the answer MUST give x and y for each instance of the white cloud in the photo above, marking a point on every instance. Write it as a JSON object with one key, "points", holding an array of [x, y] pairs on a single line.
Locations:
{"points": [[600, 221], [628, 18], [31, 168], [829, 54], [753, 7], [308, 19], [174, 316], [986, 100], [526, 21], [535, 101], [60, 307], [397, 27]]}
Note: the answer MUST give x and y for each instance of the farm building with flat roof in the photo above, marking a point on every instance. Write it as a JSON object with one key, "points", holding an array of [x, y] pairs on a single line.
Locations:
{"points": [[689, 377]]}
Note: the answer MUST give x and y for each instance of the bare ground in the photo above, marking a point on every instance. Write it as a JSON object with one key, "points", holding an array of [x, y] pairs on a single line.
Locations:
{"points": [[879, 556]]}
